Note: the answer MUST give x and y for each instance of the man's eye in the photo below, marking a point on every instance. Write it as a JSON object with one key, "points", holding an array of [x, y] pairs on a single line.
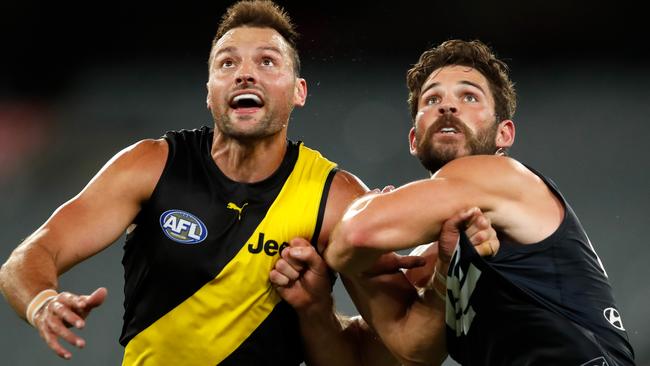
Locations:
{"points": [[267, 62], [471, 98], [432, 100], [227, 63]]}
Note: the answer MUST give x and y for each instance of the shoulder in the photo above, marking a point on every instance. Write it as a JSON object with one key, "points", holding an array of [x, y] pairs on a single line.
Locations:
{"points": [[480, 164], [345, 188], [521, 204], [143, 154], [137, 167], [346, 184], [490, 172]]}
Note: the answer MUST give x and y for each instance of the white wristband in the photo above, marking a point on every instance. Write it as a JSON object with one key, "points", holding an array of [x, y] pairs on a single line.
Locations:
{"points": [[38, 302]]}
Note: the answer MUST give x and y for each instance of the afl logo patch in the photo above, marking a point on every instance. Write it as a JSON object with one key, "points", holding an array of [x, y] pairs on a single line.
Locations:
{"points": [[183, 227], [614, 318]]}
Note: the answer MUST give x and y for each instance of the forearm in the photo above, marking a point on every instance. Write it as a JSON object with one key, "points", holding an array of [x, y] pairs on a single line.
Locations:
{"points": [[29, 270], [410, 324], [346, 257], [332, 339], [430, 309], [373, 226], [325, 338]]}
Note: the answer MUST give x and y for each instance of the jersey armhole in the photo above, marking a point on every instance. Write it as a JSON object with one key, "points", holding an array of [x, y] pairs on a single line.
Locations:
{"points": [[321, 207]]}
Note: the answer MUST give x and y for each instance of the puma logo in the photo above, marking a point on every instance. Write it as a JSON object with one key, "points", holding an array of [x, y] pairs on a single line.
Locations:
{"points": [[233, 206]]}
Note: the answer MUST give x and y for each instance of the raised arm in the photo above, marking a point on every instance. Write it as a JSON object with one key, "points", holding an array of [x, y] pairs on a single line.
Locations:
{"points": [[383, 296], [517, 202], [411, 320], [78, 229], [319, 323]]}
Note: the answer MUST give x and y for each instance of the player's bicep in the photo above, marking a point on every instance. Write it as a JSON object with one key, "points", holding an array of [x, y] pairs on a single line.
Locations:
{"points": [[406, 217], [100, 213], [344, 189]]}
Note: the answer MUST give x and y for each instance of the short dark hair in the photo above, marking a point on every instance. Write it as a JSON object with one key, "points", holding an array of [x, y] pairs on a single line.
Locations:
{"points": [[474, 54], [259, 14]]}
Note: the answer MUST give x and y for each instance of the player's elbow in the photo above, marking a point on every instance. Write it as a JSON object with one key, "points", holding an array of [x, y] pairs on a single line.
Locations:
{"points": [[349, 247]]}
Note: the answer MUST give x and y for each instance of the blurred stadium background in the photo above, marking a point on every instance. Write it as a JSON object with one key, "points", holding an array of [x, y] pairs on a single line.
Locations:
{"points": [[80, 82]]}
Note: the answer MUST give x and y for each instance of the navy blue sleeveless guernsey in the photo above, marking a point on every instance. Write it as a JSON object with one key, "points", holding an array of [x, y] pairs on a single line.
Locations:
{"points": [[197, 263], [547, 303]]}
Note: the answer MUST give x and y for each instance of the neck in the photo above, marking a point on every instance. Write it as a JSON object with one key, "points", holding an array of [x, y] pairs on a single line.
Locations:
{"points": [[248, 161]]}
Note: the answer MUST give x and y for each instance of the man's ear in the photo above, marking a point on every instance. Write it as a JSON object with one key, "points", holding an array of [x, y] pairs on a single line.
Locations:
{"points": [[300, 93], [207, 98], [505, 134], [413, 142]]}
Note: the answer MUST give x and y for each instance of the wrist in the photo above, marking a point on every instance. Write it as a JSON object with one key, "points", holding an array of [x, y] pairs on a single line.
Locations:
{"points": [[38, 303], [321, 309], [442, 267], [439, 281]]}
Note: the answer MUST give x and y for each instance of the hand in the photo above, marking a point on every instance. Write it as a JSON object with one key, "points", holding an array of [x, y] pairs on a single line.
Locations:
{"points": [[420, 276], [481, 234], [63, 311], [301, 276], [478, 229]]}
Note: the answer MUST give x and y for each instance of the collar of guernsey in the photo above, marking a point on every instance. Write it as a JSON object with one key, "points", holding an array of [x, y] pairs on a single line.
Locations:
{"points": [[217, 318]]}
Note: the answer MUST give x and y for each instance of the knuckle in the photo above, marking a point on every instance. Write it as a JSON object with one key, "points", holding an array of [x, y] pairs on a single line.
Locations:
{"points": [[286, 267], [280, 263], [55, 306], [281, 280], [52, 324], [273, 276]]}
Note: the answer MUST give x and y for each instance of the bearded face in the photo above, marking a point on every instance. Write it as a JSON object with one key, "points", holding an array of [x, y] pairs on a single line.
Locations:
{"points": [[449, 138]]}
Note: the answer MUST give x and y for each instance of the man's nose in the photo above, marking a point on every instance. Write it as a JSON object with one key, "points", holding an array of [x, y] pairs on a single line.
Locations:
{"points": [[245, 78], [245, 75], [447, 108]]}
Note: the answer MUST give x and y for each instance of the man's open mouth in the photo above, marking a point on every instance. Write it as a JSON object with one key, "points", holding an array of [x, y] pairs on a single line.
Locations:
{"points": [[246, 100], [448, 130]]}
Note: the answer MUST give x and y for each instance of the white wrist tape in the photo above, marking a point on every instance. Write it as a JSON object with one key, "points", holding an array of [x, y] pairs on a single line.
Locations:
{"points": [[37, 303]]}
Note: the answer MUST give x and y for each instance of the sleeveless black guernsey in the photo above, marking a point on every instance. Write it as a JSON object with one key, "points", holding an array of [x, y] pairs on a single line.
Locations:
{"points": [[198, 260], [547, 303]]}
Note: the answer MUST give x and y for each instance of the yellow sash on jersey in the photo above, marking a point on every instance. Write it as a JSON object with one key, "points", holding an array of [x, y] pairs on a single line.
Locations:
{"points": [[214, 321]]}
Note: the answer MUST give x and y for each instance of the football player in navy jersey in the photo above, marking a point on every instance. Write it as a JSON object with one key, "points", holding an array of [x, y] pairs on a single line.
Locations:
{"points": [[542, 299]]}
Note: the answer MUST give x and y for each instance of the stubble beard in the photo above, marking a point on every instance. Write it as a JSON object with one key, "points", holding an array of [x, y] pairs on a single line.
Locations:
{"points": [[434, 156], [267, 126]]}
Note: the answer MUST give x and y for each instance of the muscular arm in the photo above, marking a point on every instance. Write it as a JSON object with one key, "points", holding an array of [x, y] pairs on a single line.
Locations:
{"points": [[518, 203], [85, 225], [348, 341], [411, 322], [301, 278], [411, 325]]}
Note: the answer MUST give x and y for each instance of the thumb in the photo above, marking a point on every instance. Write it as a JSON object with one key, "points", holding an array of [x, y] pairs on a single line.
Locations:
{"points": [[299, 242], [455, 221], [308, 256]]}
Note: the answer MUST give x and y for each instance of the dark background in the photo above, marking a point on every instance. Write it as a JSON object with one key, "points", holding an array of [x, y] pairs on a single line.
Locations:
{"points": [[78, 82]]}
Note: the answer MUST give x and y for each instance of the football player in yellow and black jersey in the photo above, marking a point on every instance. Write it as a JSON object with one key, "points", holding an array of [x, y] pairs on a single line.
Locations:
{"points": [[207, 213]]}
